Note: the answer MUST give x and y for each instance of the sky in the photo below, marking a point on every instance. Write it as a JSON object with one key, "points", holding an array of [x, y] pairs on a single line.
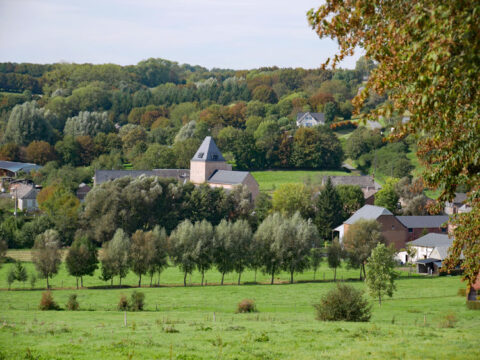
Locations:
{"points": [[234, 34]]}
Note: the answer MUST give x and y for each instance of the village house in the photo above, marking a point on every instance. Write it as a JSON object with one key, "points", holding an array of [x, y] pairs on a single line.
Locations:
{"points": [[458, 205], [25, 195], [367, 184], [397, 230], [82, 191], [12, 168], [309, 119], [207, 166]]}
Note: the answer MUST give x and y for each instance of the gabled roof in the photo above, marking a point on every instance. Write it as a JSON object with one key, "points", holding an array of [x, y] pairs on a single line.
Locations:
{"points": [[319, 117], [228, 177], [208, 151], [25, 192], [432, 240], [428, 221], [363, 181], [367, 212]]}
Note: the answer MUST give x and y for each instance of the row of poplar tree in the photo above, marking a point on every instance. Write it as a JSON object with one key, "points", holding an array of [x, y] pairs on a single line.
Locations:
{"points": [[280, 244]]}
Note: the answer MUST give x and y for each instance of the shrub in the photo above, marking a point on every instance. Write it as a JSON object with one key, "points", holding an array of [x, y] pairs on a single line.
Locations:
{"points": [[343, 303], [47, 302], [123, 303], [72, 303], [448, 321], [246, 306], [473, 305], [462, 292], [137, 301]]}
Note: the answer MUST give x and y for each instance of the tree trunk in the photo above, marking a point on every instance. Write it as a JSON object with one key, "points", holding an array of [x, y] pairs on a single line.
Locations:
{"points": [[111, 281], [203, 276], [239, 276], [379, 299], [291, 277], [335, 274], [255, 275], [223, 275], [81, 281], [120, 281], [77, 281], [364, 272], [151, 280], [48, 285], [314, 273], [273, 274], [185, 279], [360, 273], [140, 280]]}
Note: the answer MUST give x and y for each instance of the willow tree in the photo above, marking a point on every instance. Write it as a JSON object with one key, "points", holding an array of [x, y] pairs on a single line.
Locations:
{"points": [[428, 60]]}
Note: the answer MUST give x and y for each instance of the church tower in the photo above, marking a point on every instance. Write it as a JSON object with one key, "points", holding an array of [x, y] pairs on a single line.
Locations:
{"points": [[206, 161]]}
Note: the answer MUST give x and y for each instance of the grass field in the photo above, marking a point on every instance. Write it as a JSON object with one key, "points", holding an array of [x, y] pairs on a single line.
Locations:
{"points": [[272, 179], [201, 323]]}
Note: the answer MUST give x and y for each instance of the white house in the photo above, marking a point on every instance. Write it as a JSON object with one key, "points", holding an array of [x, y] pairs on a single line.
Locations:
{"points": [[309, 119]]}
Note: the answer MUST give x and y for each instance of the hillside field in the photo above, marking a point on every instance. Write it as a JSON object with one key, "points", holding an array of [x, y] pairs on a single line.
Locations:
{"points": [[271, 179], [201, 323]]}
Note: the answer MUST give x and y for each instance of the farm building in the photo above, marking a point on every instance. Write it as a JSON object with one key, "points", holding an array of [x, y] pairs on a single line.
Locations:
{"points": [[12, 168]]}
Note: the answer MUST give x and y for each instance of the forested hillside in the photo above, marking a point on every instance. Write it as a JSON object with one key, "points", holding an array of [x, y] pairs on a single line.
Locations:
{"points": [[154, 114]]}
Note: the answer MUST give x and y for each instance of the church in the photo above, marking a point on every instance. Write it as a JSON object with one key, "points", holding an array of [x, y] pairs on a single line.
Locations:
{"points": [[207, 166]]}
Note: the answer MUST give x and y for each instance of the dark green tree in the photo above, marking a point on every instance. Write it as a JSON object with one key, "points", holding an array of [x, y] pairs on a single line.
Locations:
{"points": [[329, 212], [82, 258]]}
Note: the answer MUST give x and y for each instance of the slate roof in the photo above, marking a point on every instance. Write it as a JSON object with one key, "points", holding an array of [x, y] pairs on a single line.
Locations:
{"points": [[433, 240], [428, 221], [368, 212], [208, 151], [228, 177], [31, 194], [460, 198], [319, 117], [17, 166], [363, 181], [102, 176]]}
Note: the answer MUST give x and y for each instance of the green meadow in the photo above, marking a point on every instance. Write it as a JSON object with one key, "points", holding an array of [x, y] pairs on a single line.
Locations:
{"points": [[272, 179], [200, 322]]}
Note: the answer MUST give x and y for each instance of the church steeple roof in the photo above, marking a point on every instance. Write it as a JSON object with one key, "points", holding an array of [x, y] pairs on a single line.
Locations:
{"points": [[208, 151]]}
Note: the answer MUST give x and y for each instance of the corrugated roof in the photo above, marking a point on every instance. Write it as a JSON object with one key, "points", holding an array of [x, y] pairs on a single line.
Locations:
{"points": [[208, 151], [228, 177], [367, 212], [427, 221], [17, 166], [432, 240]]}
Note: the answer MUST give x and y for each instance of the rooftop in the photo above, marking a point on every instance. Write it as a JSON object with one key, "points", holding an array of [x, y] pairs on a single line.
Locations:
{"points": [[428, 221], [368, 212], [433, 240], [17, 166], [228, 177], [208, 151], [363, 181]]}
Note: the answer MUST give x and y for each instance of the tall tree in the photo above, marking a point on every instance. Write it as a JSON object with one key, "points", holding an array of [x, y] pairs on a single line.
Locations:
{"points": [[293, 241], [159, 260], [359, 241], [46, 254], [427, 55], [82, 258], [290, 198], [329, 210], [387, 196], [117, 254], [266, 255], [183, 248], [142, 251], [381, 273], [334, 256], [351, 197], [203, 253], [222, 248]]}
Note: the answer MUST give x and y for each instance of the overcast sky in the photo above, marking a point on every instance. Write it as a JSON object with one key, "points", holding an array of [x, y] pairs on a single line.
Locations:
{"points": [[237, 34]]}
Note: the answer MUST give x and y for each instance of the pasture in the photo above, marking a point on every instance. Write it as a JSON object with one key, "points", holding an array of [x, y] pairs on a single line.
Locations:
{"points": [[200, 322], [271, 179]]}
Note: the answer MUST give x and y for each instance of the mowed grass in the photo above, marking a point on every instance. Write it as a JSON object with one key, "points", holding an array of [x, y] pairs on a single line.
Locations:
{"points": [[201, 323], [271, 179]]}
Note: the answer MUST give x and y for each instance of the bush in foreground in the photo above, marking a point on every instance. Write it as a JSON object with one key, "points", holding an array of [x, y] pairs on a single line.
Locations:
{"points": [[246, 306], [47, 302], [136, 303], [72, 303], [343, 303]]}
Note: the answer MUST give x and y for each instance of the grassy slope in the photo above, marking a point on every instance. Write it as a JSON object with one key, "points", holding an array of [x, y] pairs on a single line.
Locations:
{"points": [[284, 328], [271, 179]]}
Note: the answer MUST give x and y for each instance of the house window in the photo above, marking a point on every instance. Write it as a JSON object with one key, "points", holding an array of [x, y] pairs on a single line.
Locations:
{"points": [[393, 227], [215, 157], [444, 230], [200, 155], [410, 230]]}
